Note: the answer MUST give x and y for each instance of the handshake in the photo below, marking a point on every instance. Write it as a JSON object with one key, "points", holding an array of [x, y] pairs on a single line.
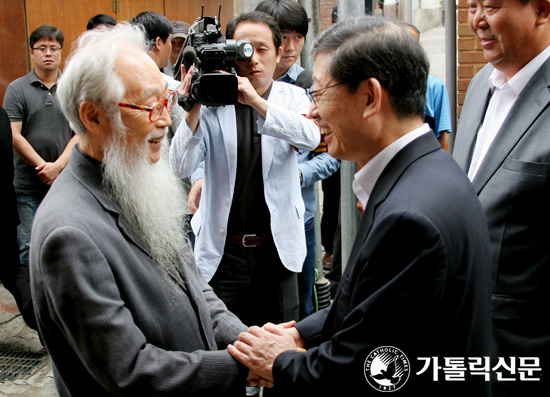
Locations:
{"points": [[257, 348]]}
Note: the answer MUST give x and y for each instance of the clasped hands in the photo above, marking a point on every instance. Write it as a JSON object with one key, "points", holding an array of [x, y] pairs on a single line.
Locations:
{"points": [[48, 171], [257, 348]]}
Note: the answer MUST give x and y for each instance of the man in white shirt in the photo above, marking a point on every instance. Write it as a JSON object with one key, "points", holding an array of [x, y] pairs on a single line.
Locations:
{"points": [[502, 144]]}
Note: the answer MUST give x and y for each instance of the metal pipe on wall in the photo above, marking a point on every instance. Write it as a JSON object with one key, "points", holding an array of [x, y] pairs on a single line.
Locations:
{"points": [[350, 216], [451, 63]]}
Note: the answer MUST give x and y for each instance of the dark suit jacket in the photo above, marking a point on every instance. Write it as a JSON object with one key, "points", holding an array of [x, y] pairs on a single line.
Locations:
{"points": [[513, 185], [109, 319], [8, 244], [417, 280], [13, 275]]}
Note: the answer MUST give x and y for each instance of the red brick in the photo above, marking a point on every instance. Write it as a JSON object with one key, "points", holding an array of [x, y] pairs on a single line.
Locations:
{"points": [[470, 57], [464, 30], [462, 15], [466, 71], [467, 43]]}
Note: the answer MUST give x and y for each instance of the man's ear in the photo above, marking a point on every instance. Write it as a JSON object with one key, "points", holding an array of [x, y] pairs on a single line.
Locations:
{"points": [[92, 116], [371, 96], [543, 11], [279, 53], [157, 43]]}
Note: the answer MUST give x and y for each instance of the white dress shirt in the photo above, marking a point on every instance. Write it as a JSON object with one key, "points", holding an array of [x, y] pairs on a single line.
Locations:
{"points": [[503, 98], [366, 177]]}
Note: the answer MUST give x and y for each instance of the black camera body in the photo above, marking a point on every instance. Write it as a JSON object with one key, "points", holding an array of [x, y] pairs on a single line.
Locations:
{"points": [[214, 82]]}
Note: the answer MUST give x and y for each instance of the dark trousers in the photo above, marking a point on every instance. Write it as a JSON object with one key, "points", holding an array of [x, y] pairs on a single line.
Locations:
{"points": [[255, 285], [15, 276], [306, 279], [331, 205]]}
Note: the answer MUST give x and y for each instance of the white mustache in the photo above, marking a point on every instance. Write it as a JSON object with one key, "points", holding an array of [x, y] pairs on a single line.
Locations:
{"points": [[158, 133]]}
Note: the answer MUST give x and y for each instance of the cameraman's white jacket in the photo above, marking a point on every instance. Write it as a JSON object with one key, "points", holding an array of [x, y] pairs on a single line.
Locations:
{"points": [[215, 142]]}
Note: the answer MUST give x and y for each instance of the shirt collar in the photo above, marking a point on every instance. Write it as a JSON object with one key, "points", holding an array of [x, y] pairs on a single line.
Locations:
{"points": [[366, 177], [291, 74], [33, 78], [517, 83]]}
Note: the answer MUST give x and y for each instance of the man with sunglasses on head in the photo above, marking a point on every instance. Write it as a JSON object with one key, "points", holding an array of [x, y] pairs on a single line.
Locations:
{"points": [[42, 137], [120, 304]]}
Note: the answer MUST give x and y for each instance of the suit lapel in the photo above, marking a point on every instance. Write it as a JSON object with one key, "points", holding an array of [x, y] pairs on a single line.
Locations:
{"points": [[268, 142], [473, 114], [528, 106], [383, 186]]}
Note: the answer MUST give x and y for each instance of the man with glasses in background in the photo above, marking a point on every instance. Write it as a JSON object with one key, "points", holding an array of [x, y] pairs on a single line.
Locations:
{"points": [[42, 137]]}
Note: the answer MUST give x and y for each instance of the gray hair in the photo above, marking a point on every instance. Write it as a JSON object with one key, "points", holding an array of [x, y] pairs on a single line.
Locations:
{"points": [[91, 74], [372, 46]]}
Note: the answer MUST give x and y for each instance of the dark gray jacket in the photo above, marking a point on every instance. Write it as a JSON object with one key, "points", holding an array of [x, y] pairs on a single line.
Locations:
{"points": [[513, 185], [110, 321]]}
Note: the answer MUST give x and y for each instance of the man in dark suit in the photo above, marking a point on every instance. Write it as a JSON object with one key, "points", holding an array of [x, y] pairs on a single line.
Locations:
{"points": [[121, 306], [415, 289], [502, 143]]}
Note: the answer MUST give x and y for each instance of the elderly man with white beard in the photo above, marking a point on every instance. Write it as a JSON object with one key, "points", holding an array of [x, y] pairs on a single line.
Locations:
{"points": [[120, 304]]}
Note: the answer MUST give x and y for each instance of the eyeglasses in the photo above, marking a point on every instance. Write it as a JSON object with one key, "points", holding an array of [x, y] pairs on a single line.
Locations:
{"points": [[155, 111], [43, 49], [316, 93]]}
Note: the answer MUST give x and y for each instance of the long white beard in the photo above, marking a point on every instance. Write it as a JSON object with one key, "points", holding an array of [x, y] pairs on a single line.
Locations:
{"points": [[149, 196]]}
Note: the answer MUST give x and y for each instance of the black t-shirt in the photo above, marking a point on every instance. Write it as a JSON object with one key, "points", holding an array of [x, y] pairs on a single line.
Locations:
{"points": [[44, 126], [249, 212]]}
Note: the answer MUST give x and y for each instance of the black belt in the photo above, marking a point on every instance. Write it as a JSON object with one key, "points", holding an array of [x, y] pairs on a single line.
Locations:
{"points": [[247, 240]]}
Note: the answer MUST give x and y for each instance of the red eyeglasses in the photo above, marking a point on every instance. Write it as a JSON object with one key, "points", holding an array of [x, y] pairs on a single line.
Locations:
{"points": [[155, 111]]}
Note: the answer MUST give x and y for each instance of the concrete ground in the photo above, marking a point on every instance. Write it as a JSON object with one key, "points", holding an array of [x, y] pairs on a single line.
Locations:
{"points": [[16, 336], [433, 42]]}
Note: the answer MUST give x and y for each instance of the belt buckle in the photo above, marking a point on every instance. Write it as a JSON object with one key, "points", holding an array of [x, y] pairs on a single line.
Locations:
{"points": [[244, 241]]}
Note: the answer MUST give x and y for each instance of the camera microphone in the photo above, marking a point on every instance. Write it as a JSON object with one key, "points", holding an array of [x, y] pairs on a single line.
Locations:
{"points": [[189, 56]]}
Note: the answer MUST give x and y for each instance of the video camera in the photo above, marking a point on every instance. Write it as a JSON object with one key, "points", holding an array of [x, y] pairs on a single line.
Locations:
{"points": [[207, 49]]}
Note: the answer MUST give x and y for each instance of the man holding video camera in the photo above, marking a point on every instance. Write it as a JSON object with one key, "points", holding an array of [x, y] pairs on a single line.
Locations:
{"points": [[250, 239]]}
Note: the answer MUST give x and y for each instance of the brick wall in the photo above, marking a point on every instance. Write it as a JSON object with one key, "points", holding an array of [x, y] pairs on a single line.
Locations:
{"points": [[325, 7], [470, 55]]}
